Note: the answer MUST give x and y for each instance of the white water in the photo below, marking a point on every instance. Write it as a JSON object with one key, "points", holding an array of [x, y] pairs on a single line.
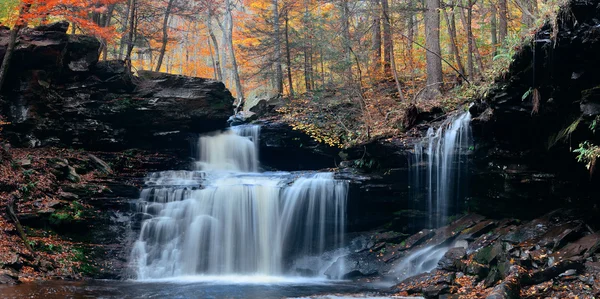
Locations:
{"points": [[439, 167], [439, 171], [227, 220]]}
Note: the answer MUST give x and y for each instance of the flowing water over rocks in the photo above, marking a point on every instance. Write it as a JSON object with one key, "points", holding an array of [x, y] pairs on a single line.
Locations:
{"points": [[227, 219], [439, 170]]}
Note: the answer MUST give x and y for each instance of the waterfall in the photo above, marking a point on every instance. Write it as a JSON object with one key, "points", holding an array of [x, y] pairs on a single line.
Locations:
{"points": [[439, 167], [438, 170], [225, 218]]}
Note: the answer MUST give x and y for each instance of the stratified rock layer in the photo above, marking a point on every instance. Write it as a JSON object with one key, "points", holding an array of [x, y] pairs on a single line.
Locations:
{"points": [[58, 94]]}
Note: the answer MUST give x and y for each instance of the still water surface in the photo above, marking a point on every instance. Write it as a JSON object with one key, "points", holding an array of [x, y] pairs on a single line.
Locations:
{"points": [[186, 287]]}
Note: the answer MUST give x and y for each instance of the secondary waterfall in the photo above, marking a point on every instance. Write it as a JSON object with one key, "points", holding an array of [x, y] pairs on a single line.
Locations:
{"points": [[225, 218], [438, 170], [439, 167]]}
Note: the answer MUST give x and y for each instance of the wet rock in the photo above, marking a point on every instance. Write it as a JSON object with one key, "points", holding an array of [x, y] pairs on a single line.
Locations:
{"points": [[72, 175], [590, 102], [9, 277], [68, 196], [431, 285], [493, 277], [579, 249], [100, 165], [434, 291], [354, 265], [551, 272], [418, 239], [242, 117], [452, 260], [477, 269]]}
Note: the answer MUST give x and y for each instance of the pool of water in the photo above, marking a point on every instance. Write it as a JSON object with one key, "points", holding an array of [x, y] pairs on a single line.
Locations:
{"points": [[191, 287]]}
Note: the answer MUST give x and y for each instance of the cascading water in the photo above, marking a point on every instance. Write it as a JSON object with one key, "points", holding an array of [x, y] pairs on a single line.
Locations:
{"points": [[227, 219], [439, 167], [439, 170]]}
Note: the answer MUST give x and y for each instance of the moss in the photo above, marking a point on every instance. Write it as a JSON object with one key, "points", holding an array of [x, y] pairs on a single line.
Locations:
{"points": [[61, 218], [484, 255], [85, 267]]}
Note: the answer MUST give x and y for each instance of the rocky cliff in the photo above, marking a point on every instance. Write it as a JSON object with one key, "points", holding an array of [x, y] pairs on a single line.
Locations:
{"points": [[58, 94], [529, 124]]}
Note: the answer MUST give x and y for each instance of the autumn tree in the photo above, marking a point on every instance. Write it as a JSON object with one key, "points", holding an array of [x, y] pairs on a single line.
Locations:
{"points": [[80, 13], [432, 38]]}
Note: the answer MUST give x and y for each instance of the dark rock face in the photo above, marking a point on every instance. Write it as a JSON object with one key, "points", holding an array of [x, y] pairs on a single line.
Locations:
{"points": [[58, 94], [524, 148]]}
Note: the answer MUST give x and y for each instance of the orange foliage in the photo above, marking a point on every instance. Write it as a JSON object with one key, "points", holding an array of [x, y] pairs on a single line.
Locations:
{"points": [[75, 11]]}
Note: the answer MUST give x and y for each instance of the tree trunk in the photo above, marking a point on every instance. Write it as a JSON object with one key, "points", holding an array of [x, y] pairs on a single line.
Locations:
{"points": [[473, 51], [528, 11], [276, 29], [307, 48], [131, 34], [376, 45], [345, 19], [124, 26], [395, 73], [451, 25], [288, 56], [494, 29], [216, 45], [433, 56], [411, 24], [12, 42], [12, 215], [387, 39], [469, 28], [104, 48], [212, 59], [165, 35], [236, 74], [502, 21]]}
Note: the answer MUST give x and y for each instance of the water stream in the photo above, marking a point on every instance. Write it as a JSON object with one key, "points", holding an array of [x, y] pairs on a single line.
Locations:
{"points": [[226, 219], [439, 170]]}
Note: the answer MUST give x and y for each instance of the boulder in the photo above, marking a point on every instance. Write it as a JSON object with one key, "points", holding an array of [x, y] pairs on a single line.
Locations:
{"points": [[451, 261], [60, 95]]}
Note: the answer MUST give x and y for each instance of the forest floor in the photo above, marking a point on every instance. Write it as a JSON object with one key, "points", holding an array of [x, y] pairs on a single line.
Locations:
{"points": [[345, 118], [65, 200]]}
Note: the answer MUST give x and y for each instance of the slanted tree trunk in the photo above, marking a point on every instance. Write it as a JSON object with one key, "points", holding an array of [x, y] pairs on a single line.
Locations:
{"points": [[451, 26], [165, 35], [288, 56], [433, 56], [12, 42], [276, 29], [528, 11], [212, 59], [387, 39], [229, 36], [216, 45], [12, 215]]}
